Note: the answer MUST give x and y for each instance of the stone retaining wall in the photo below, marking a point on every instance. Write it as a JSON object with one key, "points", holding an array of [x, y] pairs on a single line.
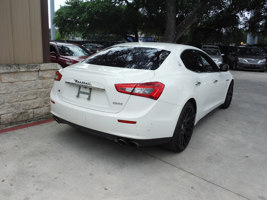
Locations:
{"points": [[24, 93]]}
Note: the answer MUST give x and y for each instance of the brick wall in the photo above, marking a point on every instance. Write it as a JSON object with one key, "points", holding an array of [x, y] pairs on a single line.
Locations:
{"points": [[24, 93]]}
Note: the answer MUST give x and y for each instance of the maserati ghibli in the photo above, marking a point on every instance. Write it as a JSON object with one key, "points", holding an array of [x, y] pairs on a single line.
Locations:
{"points": [[142, 93]]}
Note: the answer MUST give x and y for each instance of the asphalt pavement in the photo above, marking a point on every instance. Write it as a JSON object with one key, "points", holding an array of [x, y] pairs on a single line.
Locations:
{"points": [[225, 160]]}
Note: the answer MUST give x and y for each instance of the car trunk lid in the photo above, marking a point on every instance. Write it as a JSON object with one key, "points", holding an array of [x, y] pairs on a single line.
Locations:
{"points": [[93, 86]]}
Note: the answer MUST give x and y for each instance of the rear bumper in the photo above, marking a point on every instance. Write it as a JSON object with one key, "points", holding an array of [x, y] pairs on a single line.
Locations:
{"points": [[130, 141], [156, 122]]}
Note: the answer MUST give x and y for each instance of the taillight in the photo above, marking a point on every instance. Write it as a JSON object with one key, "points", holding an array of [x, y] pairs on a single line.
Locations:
{"points": [[150, 90], [58, 76]]}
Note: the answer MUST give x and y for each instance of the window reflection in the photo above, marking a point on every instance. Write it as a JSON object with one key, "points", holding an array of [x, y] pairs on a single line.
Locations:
{"points": [[130, 57], [72, 50]]}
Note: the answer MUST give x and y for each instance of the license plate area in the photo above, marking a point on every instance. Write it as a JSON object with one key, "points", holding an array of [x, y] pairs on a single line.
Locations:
{"points": [[85, 91], [81, 89], [97, 95], [92, 96]]}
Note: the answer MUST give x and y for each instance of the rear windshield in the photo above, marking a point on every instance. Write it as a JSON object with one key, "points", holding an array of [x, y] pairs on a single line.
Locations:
{"points": [[213, 52], [130, 57]]}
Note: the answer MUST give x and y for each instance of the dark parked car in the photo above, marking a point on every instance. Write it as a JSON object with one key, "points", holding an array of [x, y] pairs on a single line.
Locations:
{"points": [[247, 58], [67, 54], [265, 53]]}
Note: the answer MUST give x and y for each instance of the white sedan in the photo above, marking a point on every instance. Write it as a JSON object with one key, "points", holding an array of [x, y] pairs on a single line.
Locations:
{"points": [[142, 93]]}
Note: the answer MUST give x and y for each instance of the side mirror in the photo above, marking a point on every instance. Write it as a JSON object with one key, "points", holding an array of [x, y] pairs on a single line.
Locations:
{"points": [[53, 54], [224, 67]]}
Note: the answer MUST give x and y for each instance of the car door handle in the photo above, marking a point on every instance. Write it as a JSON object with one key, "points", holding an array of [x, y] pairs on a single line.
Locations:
{"points": [[198, 83], [215, 81]]}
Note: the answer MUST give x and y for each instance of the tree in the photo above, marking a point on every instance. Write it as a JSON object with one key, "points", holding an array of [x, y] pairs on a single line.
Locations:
{"points": [[190, 19], [170, 20], [226, 19], [97, 17], [257, 23]]}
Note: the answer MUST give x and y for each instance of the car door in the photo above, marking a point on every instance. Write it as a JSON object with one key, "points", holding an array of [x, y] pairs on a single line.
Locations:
{"points": [[206, 80], [217, 79], [53, 53], [64, 54], [56, 56]]}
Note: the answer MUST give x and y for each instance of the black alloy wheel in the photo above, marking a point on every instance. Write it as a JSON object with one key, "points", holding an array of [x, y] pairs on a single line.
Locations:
{"points": [[229, 96], [184, 129]]}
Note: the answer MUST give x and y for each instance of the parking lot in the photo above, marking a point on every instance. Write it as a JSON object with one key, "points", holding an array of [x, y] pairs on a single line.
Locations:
{"points": [[226, 158]]}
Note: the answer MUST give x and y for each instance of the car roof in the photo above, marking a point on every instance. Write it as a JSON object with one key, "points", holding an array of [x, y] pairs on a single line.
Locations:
{"points": [[159, 45]]}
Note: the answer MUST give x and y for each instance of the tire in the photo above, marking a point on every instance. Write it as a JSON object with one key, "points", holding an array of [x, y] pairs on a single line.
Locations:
{"points": [[184, 129], [229, 96]]}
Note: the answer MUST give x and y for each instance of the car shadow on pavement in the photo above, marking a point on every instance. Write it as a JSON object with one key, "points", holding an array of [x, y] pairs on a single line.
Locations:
{"points": [[81, 142]]}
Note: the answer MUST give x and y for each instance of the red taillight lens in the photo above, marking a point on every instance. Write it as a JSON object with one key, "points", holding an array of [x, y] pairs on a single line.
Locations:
{"points": [[58, 76], [150, 90], [125, 88]]}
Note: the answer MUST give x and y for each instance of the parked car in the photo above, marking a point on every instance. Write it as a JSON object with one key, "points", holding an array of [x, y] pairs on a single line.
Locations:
{"points": [[142, 93], [214, 52], [67, 54], [93, 48], [264, 53], [248, 58]]}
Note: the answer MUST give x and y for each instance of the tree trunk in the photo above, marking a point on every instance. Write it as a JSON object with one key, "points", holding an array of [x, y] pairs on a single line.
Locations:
{"points": [[169, 35], [190, 20], [172, 32]]}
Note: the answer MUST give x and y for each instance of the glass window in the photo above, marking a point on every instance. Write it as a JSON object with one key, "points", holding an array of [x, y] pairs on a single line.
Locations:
{"points": [[198, 62], [130, 57], [53, 49], [208, 64], [72, 50], [192, 60], [213, 52], [246, 51]]}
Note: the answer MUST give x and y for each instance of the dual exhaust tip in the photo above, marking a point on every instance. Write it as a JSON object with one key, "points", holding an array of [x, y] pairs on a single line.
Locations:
{"points": [[122, 141]]}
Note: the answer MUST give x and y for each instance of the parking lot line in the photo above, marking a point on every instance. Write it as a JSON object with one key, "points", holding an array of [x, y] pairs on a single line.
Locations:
{"points": [[25, 126]]}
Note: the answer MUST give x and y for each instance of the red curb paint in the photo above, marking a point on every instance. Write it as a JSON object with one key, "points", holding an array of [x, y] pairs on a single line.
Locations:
{"points": [[26, 125]]}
